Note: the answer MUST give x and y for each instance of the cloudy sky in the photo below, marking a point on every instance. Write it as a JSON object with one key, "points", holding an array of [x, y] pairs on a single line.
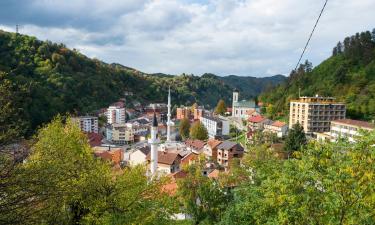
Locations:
{"points": [[243, 37]]}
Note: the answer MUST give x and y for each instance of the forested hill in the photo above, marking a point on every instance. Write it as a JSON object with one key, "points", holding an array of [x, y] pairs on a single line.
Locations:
{"points": [[348, 75], [39, 79]]}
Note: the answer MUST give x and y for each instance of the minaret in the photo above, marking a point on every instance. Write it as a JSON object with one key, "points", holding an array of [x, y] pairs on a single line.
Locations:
{"points": [[154, 145], [169, 122]]}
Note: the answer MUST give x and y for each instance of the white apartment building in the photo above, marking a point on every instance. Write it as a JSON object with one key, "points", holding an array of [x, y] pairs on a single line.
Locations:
{"points": [[119, 133], [315, 113], [216, 126], [87, 124], [347, 128], [115, 114]]}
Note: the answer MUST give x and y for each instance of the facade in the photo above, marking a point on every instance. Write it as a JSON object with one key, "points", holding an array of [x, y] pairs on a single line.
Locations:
{"points": [[114, 155], [88, 124], [198, 113], [347, 128], [116, 114], [242, 109], [210, 149], [183, 112], [139, 156], [279, 128], [120, 133], [166, 162], [257, 122], [228, 150], [216, 126], [315, 113]]}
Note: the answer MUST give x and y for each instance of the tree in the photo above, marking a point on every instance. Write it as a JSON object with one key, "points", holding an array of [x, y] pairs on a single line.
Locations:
{"points": [[220, 107], [198, 131], [184, 128], [295, 139]]}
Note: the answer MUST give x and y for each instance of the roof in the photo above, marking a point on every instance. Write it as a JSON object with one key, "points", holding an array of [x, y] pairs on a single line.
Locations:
{"points": [[189, 158], [213, 143], [256, 119], [196, 144], [114, 156], [94, 139], [245, 104], [356, 123], [145, 149], [278, 124], [216, 119], [214, 174], [167, 158], [226, 145]]}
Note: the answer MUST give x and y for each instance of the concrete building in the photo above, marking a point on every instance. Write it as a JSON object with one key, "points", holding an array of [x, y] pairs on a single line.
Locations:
{"points": [[216, 126], [120, 133], [195, 146], [315, 113], [88, 124], [183, 112], [347, 128], [210, 149], [116, 114], [255, 123], [166, 162], [242, 109], [228, 150], [139, 156], [279, 128]]}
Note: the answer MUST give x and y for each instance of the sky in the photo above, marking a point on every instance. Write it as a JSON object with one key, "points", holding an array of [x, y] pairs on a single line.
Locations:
{"points": [[243, 37]]}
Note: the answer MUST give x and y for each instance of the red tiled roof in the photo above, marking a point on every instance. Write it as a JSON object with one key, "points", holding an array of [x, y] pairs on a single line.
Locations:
{"points": [[214, 174], [114, 156], [256, 119], [167, 158], [196, 144], [213, 143], [278, 124], [356, 123], [94, 139], [188, 158]]}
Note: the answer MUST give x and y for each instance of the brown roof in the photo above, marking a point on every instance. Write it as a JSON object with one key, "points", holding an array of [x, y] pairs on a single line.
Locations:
{"points": [[94, 139], [278, 124], [213, 143], [356, 123], [196, 144], [214, 174], [256, 119], [188, 158], [167, 158], [114, 156]]}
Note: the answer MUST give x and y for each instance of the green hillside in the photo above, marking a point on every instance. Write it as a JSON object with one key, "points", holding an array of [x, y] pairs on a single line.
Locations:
{"points": [[40, 79], [348, 75]]}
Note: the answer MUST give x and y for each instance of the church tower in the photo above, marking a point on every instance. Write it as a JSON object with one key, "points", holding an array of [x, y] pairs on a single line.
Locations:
{"points": [[234, 101], [154, 141]]}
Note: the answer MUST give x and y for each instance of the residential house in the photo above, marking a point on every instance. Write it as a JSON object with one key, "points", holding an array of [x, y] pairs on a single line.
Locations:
{"points": [[255, 123], [210, 149], [139, 156], [119, 133], [279, 128], [227, 151], [116, 114], [195, 146], [168, 162], [114, 155]]}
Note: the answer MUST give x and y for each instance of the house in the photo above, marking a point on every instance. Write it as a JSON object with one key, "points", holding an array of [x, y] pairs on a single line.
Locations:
{"points": [[210, 149], [168, 162], [94, 139], [171, 187], [279, 128], [217, 127], [114, 155], [195, 146], [189, 159], [139, 156], [257, 122], [227, 151]]}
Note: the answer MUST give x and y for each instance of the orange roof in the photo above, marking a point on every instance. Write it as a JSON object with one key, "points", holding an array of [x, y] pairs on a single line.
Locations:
{"points": [[171, 187], [278, 124], [256, 119], [213, 143], [188, 158], [196, 144], [214, 174], [114, 156]]}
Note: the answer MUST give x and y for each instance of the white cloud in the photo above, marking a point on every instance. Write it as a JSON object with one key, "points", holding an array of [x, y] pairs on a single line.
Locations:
{"points": [[245, 37]]}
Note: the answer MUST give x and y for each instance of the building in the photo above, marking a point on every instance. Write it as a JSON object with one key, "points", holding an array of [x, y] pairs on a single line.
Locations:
{"points": [[94, 139], [183, 113], [88, 124], [347, 128], [255, 123], [279, 128], [189, 159], [227, 151], [241, 109], [114, 155], [120, 133], [198, 113], [116, 114], [315, 113], [216, 126], [139, 156], [210, 149], [195, 146], [167, 162]]}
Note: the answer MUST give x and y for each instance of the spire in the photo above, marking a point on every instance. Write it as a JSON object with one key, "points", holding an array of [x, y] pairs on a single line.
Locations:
{"points": [[155, 121]]}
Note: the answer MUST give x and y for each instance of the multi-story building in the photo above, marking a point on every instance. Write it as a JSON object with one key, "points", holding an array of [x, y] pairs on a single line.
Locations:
{"points": [[315, 114], [116, 114], [255, 123], [183, 112], [88, 124], [198, 113], [216, 126], [120, 133], [347, 128], [228, 150]]}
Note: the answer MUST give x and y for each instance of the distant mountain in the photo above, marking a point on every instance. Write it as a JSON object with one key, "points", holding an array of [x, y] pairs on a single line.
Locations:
{"points": [[348, 75], [40, 79]]}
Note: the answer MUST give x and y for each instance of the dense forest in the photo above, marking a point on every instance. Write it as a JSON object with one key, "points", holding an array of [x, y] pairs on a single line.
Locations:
{"points": [[39, 79], [348, 75]]}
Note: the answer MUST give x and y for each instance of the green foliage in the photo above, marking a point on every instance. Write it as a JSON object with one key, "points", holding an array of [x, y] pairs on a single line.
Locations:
{"points": [[62, 183], [184, 128], [295, 139], [220, 107], [348, 75], [198, 131]]}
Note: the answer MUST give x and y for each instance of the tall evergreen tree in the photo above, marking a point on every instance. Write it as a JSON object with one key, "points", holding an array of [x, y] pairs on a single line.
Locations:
{"points": [[295, 140]]}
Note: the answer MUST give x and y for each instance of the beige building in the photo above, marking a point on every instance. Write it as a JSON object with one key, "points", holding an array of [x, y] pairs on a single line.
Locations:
{"points": [[120, 133], [315, 113], [349, 129]]}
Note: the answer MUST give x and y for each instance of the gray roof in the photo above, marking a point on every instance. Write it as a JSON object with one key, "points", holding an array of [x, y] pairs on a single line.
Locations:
{"points": [[226, 145], [145, 150], [243, 103]]}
